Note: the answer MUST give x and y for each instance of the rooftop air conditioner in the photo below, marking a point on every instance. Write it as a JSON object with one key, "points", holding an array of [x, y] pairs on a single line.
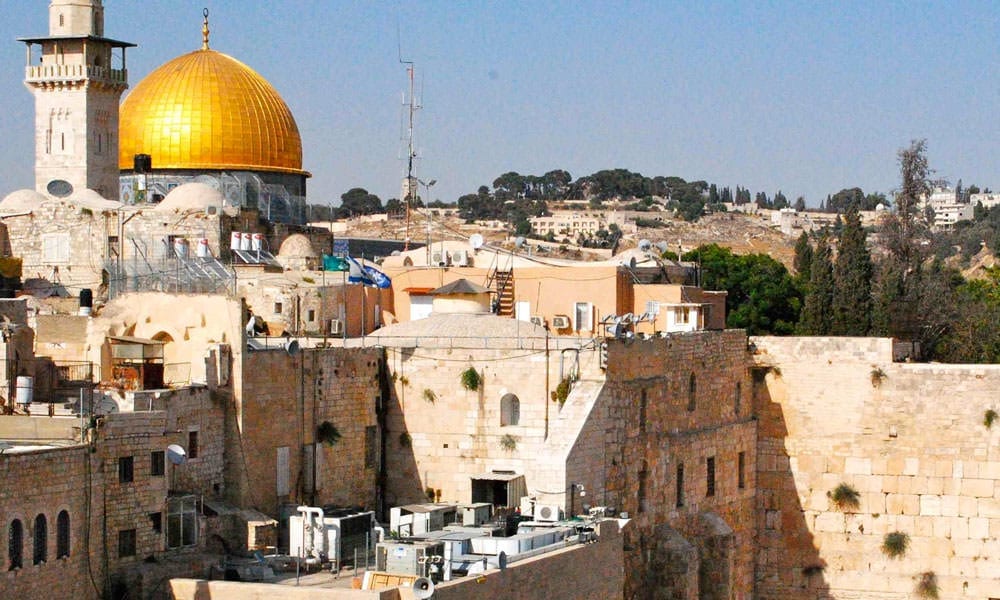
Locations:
{"points": [[460, 258], [538, 320], [336, 327], [548, 513], [439, 258], [560, 322]]}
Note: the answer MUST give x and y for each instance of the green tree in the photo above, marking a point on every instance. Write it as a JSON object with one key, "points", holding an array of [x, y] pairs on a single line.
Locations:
{"points": [[803, 257], [358, 201], [974, 336], [852, 279], [800, 204], [761, 295], [819, 299]]}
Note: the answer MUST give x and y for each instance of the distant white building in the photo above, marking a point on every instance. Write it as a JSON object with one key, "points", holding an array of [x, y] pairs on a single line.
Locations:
{"points": [[988, 200]]}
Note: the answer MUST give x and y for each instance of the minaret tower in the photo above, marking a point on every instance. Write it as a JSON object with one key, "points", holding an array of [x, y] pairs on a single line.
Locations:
{"points": [[77, 81]]}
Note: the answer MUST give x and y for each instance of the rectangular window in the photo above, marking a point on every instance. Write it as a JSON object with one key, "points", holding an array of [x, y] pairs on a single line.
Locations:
{"points": [[277, 308], [157, 465], [126, 543], [741, 480], [682, 314], [710, 476], [281, 472], [371, 447], [680, 485], [156, 520], [55, 248], [182, 522], [311, 315], [192, 449], [125, 469], [584, 314]]}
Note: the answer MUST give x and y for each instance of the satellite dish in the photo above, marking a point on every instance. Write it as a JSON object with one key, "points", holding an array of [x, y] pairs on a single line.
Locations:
{"points": [[519, 242], [176, 455], [423, 588], [60, 188], [502, 560], [662, 246], [476, 241], [292, 347], [645, 245], [631, 262]]}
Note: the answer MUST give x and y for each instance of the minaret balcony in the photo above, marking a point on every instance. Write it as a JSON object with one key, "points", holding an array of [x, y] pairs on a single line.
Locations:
{"points": [[58, 73]]}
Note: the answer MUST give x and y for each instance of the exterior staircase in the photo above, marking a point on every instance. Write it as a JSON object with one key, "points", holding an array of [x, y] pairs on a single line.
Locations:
{"points": [[503, 283]]}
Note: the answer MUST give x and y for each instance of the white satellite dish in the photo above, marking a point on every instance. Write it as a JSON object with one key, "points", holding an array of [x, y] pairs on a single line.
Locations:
{"points": [[662, 246], [476, 241], [176, 454], [292, 347], [519, 242], [645, 245]]}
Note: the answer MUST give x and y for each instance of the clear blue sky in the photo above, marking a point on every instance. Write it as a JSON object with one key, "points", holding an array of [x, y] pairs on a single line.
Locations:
{"points": [[806, 97]]}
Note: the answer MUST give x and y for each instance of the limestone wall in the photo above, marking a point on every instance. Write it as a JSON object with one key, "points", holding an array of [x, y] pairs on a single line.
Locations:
{"points": [[681, 401], [909, 438], [280, 403]]}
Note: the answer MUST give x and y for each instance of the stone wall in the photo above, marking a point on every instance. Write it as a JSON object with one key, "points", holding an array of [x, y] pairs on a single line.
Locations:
{"points": [[910, 439], [674, 402], [281, 402]]}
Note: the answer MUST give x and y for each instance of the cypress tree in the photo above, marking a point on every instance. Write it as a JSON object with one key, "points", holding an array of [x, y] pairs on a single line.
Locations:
{"points": [[803, 257], [852, 273], [819, 300]]}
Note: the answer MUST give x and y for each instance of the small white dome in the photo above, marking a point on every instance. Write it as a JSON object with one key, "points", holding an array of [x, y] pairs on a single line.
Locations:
{"points": [[297, 246], [92, 200], [192, 196], [22, 200]]}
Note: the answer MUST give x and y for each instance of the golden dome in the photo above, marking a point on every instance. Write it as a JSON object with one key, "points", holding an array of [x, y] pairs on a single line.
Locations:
{"points": [[207, 110]]}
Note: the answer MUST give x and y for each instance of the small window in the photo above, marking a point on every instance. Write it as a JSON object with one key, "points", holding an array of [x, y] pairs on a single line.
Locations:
{"points": [[510, 410], [15, 545], [62, 534], [157, 464], [641, 492], [737, 398], [156, 520], [41, 540], [277, 308], [62, 19], [371, 447], [682, 315], [680, 485], [710, 476], [584, 313], [741, 480], [642, 411], [125, 469], [311, 315], [192, 449], [126, 543], [182, 522], [692, 392]]}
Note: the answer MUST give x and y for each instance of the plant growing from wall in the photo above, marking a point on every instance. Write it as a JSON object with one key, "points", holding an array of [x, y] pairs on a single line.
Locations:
{"points": [[430, 493], [404, 380], [327, 433], [508, 442], [405, 441], [878, 376], [989, 417], [927, 586], [429, 395], [308, 280], [562, 391], [845, 497], [895, 544], [470, 379]]}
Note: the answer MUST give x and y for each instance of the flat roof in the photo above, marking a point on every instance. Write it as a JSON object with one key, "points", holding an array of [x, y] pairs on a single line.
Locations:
{"points": [[91, 38]]}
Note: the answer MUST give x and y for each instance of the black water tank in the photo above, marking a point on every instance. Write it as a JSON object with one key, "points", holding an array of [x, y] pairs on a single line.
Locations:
{"points": [[143, 163]]}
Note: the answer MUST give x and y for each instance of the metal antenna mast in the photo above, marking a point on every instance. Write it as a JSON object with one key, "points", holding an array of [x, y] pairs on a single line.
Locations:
{"points": [[410, 186]]}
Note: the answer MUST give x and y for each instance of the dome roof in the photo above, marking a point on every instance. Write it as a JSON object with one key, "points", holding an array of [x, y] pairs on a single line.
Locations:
{"points": [[21, 200], [90, 199], [297, 246], [192, 196], [207, 110]]}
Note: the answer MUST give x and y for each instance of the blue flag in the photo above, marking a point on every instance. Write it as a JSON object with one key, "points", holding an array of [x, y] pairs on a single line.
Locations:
{"points": [[366, 275]]}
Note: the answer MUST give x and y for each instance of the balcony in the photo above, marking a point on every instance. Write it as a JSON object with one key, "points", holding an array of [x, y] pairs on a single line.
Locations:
{"points": [[67, 73]]}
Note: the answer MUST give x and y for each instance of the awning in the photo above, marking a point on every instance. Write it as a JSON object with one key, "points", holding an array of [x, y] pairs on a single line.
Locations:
{"points": [[498, 476], [418, 291]]}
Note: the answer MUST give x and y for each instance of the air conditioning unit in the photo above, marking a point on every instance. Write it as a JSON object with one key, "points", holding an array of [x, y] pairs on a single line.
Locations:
{"points": [[440, 258], [336, 327], [560, 322], [548, 513], [538, 320], [460, 258]]}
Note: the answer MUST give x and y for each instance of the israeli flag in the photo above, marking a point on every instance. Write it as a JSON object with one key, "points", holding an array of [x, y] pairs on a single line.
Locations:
{"points": [[366, 275]]}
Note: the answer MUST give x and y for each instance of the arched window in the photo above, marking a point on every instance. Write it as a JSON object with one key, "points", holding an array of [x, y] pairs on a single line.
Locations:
{"points": [[692, 391], [15, 544], [510, 410], [41, 539], [62, 535]]}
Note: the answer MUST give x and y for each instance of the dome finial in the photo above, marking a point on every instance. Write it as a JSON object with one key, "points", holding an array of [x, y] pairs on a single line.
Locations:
{"points": [[204, 31]]}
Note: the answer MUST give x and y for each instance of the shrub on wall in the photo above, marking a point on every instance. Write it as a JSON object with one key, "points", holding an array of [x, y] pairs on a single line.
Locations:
{"points": [[508, 442], [470, 379], [878, 376], [405, 441], [989, 418], [845, 497], [927, 586], [429, 395], [562, 391], [895, 544], [327, 433]]}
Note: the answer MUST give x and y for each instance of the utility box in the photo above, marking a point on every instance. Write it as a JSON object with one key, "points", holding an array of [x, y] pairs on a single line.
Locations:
{"points": [[409, 558]]}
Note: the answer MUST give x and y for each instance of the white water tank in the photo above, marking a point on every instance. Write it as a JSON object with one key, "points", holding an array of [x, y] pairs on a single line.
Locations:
{"points": [[25, 390], [234, 240], [202, 248], [180, 248], [245, 241], [257, 242]]}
